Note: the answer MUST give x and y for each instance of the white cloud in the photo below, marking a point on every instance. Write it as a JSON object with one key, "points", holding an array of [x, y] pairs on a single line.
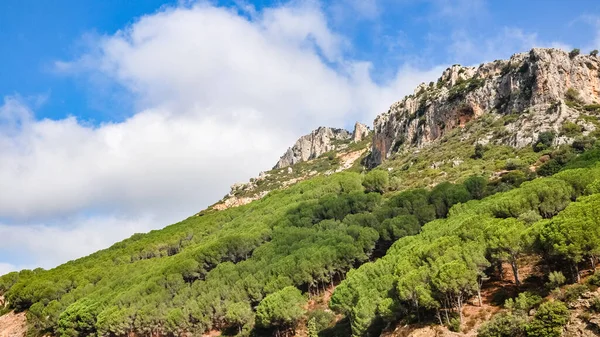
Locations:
{"points": [[219, 97], [6, 268], [76, 236]]}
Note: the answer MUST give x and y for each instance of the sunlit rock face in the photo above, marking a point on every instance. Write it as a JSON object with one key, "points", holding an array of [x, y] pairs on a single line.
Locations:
{"points": [[311, 146], [539, 87]]}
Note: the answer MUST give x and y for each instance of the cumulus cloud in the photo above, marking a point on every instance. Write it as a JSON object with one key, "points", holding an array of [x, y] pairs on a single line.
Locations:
{"points": [[218, 96], [50, 243], [6, 268]]}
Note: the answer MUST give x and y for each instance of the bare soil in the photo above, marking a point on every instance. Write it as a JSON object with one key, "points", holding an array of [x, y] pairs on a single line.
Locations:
{"points": [[13, 325]]}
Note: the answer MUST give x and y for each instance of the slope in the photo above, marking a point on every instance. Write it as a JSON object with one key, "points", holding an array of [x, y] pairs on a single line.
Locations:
{"points": [[249, 269]]}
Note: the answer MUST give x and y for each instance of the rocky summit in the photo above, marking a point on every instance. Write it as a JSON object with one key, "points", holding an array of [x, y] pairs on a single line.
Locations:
{"points": [[319, 141], [361, 131], [313, 145], [542, 89]]}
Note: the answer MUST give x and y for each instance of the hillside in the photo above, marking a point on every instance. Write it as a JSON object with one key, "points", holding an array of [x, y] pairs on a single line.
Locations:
{"points": [[475, 199], [322, 152]]}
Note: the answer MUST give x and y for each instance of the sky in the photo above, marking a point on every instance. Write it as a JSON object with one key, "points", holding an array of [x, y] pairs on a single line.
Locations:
{"points": [[118, 117]]}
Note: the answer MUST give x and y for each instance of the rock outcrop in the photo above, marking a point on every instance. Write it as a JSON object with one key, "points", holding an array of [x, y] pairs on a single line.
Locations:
{"points": [[541, 87], [360, 132], [314, 144]]}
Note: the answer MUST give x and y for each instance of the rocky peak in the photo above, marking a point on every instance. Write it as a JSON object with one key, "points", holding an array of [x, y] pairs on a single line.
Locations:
{"points": [[319, 141], [307, 147], [454, 74], [543, 88], [360, 131]]}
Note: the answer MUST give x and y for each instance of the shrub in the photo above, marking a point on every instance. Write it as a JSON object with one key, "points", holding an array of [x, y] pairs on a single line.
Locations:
{"points": [[322, 319], [594, 280], [592, 107], [281, 309], [463, 87], [396, 183], [444, 195], [581, 144], [549, 168], [476, 186], [311, 327], [585, 316], [514, 178], [544, 141], [514, 164], [593, 188], [501, 296], [574, 52], [570, 129], [376, 181], [454, 324], [530, 217], [5, 310], [555, 279], [557, 294], [479, 151], [572, 97], [594, 52], [573, 292], [503, 325], [549, 320], [595, 304], [560, 158], [523, 303]]}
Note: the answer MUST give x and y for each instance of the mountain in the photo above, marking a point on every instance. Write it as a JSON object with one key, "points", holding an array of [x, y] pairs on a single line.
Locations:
{"points": [[471, 208], [540, 90], [323, 151], [313, 145]]}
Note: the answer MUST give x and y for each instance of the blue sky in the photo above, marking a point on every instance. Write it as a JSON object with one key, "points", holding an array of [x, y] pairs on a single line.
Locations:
{"points": [[124, 116], [386, 33]]}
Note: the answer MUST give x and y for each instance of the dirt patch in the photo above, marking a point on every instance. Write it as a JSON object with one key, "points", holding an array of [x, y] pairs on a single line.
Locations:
{"points": [[421, 331], [212, 333], [348, 158], [13, 325]]}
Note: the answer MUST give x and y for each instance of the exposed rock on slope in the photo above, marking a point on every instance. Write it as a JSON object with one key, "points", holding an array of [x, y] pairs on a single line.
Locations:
{"points": [[313, 145], [360, 132], [541, 87]]}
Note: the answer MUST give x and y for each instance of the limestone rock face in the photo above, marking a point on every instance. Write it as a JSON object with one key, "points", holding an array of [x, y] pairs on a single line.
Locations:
{"points": [[539, 87], [360, 131], [314, 144]]}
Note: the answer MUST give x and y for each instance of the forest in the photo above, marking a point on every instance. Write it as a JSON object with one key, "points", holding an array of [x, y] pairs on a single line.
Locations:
{"points": [[415, 255]]}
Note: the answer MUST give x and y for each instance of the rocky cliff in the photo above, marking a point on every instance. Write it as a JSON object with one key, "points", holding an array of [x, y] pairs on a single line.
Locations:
{"points": [[361, 131], [319, 141], [311, 146], [541, 89]]}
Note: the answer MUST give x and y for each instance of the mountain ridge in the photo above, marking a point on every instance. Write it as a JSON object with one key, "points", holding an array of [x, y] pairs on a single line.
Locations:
{"points": [[545, 83], [383, 240], [528, 87]]}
